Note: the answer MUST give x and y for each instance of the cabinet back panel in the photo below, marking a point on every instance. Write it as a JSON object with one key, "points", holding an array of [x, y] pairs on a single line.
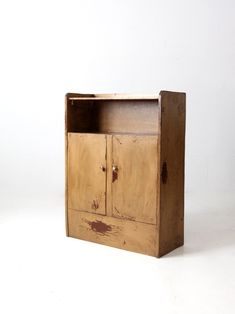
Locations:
{"points": [[114, 116]]}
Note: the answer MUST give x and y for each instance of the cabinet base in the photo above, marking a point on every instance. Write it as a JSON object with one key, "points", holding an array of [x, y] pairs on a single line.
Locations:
{"points": [[124, 234]]}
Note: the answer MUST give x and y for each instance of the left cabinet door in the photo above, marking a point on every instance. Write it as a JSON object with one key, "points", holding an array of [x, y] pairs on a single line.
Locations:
{"points": [[87, 172]]}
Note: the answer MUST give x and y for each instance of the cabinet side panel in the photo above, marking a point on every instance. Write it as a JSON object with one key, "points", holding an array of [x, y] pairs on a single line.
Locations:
{"points": [[171, 228]]}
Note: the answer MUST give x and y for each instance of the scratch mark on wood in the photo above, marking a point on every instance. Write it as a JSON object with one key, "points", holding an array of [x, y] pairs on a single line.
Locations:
{"points": [[123, 216], [119, 141], [95, 204]]}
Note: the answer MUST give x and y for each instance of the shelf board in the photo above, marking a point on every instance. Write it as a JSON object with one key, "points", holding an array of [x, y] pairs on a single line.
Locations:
{"points": [[116, 97], [119, 133]]}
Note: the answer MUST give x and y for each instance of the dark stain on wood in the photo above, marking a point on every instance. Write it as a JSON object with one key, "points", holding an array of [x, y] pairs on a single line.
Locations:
{"points": [[99, 226], [95, 205], [115, 175], [164, 173]]}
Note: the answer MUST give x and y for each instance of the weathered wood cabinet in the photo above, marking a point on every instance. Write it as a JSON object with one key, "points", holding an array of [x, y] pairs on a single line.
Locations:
{"points": [[125, 170]]}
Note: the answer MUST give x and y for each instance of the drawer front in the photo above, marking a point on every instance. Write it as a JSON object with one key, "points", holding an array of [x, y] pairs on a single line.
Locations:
{"points": [[128, 235]]}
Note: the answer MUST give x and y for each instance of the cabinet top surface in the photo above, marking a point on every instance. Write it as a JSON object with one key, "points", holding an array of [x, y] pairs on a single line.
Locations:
{"points": [[111, 96]]}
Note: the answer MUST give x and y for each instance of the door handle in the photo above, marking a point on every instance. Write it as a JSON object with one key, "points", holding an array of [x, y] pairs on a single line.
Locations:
{"points": [[115, 168], [103, 168]]}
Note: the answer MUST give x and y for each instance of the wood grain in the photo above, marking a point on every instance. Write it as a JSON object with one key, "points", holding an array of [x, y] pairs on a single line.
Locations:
{"points": [[66, 166], [171, 221], [134, 190], [116, 116], [113, 96], [109, 176], [127, 235], [87, 172]]}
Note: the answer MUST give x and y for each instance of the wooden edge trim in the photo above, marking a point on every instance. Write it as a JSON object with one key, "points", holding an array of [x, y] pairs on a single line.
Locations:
{"points": [[74, 96], [66, 168]]}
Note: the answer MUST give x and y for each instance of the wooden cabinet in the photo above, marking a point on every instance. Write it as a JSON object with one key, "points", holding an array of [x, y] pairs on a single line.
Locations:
{"points": [[125, 170]]}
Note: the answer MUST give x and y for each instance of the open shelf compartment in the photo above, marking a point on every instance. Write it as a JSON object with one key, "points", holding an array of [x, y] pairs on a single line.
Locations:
{"points": [[127, 114]]}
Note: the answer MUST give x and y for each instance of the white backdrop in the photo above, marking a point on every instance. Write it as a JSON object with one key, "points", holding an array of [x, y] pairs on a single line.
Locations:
{"points": [[48, 48], [51, 47]]}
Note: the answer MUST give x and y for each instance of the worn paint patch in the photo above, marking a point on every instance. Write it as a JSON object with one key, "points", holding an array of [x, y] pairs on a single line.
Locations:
{"points": [[164, 173], [115, 176], [99, 226], [95, 205]]}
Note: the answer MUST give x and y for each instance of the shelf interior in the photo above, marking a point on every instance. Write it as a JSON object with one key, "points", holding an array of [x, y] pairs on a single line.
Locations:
{"points": [[113, 116]]}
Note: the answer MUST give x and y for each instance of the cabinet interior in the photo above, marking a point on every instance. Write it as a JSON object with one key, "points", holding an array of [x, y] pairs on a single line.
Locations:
{"points": [[112, 116]]}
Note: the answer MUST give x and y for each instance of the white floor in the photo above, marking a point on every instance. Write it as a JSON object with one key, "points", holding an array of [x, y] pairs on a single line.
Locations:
{"points": [[42, 271]]}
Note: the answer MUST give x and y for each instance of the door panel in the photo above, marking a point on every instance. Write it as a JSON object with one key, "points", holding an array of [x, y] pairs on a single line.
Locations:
{"points": [[134, 179], [87, 172]]}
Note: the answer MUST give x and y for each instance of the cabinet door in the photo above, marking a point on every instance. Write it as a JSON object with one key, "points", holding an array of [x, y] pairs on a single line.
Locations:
{"points": [[87, 172], [134, 178]]}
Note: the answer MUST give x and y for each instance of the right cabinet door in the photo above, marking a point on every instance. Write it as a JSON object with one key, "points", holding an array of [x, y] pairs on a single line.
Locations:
{"points": [[135, 177]]}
